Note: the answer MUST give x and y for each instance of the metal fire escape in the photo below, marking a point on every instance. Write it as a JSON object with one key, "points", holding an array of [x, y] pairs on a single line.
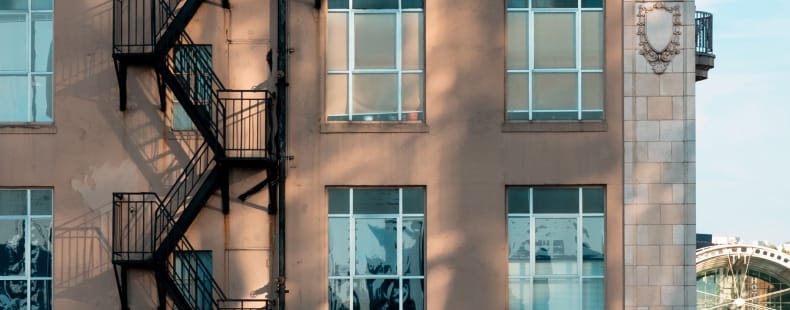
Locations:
{"points": [[239, 128]]}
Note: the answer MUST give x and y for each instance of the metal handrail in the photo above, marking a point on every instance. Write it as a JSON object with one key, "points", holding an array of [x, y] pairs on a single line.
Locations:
{"points": [[704, 32]]}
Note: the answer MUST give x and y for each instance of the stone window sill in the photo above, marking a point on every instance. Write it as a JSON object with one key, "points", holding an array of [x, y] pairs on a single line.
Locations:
{"points": [[555, 126], [28, 128], [374, 127]]}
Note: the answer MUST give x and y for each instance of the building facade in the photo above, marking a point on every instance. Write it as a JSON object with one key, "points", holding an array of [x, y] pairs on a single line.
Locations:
{"points": [[339, 154]]}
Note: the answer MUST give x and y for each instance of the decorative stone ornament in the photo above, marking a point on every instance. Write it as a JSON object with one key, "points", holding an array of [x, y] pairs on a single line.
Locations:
{"points": [[658, 28]]}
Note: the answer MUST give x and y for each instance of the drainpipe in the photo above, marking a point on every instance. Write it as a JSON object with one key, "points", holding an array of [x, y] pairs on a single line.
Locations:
{"points": [[282, 157]]}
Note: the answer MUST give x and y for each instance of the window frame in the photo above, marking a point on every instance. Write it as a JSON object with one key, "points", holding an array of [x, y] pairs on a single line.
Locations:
{"points": [[578, 68], [400, 274], [28, 219], [30, 72], [531, 274], [351, 70]]}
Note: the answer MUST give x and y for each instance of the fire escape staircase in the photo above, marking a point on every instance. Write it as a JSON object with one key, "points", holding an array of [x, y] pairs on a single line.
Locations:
{"points": [[238, 129]]}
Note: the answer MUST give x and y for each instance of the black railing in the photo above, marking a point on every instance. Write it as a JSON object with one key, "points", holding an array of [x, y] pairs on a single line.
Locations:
{"points": [[134, 226], [138, 24], [250, 126], [704, 32]]}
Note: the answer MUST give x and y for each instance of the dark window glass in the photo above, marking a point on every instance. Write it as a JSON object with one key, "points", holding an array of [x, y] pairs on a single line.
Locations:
{"points": [[517, 3], [375, 4], [413, 200], [41, 202], [338, 4], [593, 200], [375, 201], [412, 4], [592, 3], [13, 202], [555, 200], [338, 201], [555, 4], [518, 200]]}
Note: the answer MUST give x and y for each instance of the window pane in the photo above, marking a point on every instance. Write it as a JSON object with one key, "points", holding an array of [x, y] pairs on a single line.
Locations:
{"points": [[518, 246], [40, 202], [12, 233], [518, 40], [41, 247], [593, 246], [593, 200], [13, 202], [377, 294], [337, 97], [42, 98], [518, 200], [181, 120], [592, 3], [413, 200], [14, 295], [375, 244], [14, 102], [13, 34], [338, 200], [555, 200], [339, 247], [42, 43], [413, 294], [555, 247], [13, 5], [337, 41], [520, 294], [413, 247], [554, 40], [375, 201], [338, 4], [555, 4], [413, 41], [375, 4], [413, 94], [340, 295], [556, 294], [518, 96], [592, 91], [374, 39], [375, 97], [41, 294], [517, 3], [593, 294], [412, 4], [592, 40], [42, 4], [555, 92]]}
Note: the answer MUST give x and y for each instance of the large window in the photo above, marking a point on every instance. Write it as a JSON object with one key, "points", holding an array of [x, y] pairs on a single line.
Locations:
{"points": [[548, 267], [26, 61], [555, 60], [26, 254], [375, 60], [376, 248]]}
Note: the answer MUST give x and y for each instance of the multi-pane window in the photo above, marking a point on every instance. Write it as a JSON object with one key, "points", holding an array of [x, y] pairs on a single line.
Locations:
{"points": [[26, 254], [556, 247], [375, 63], [376, 248], [555, 60], [26, 61], [193, 65], [193, 275]]}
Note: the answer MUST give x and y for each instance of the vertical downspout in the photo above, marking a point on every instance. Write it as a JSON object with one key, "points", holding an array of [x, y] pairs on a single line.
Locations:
{"points": [[282, 85]]}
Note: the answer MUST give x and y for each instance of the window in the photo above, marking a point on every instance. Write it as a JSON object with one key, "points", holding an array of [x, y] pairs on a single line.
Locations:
{"points": [[26, 255], [376, 248], [26, 61], [561, 273], [555, 60], [375, 63], [193, 66], [193, 275]]}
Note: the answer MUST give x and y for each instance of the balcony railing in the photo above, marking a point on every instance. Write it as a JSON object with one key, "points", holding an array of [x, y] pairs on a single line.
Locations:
{"points": [[704, 32]]}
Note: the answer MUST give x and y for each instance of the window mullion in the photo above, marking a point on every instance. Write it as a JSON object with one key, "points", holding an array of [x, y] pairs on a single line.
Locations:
{"points": [[350, 31], [399, 60], [578, 52], [579, 246], [531, 65], [399, 246], [27, 235], [351, 245]]}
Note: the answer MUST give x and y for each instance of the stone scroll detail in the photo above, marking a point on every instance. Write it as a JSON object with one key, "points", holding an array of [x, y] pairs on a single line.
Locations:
{"points": [[659, 59]]}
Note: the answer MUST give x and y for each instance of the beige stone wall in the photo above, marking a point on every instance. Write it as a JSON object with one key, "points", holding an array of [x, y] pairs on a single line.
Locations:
{"points": [[659, 170], [464, 156]]}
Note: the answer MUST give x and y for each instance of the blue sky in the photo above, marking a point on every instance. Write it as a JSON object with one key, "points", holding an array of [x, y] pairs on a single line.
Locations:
{"points": [[743, 122]]}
